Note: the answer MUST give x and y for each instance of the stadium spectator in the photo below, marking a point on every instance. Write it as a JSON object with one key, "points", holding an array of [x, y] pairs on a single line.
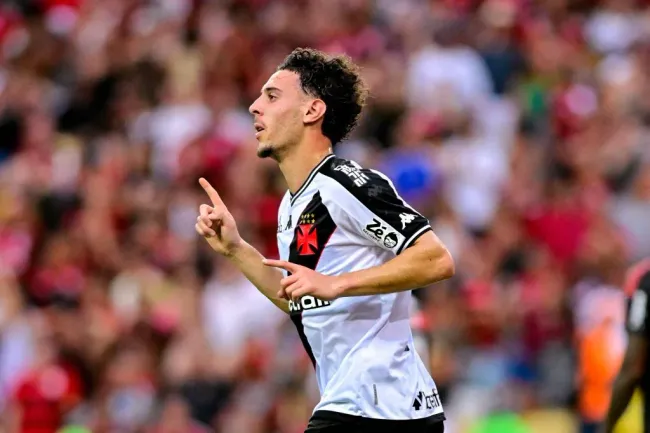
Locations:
{"points": [[519, 128]]}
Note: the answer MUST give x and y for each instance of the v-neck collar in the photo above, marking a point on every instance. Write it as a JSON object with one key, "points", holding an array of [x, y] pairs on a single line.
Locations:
{"points": [[311, 176]]}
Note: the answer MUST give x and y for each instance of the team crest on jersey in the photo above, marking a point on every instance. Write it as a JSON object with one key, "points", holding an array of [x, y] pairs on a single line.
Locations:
{"points": [[306, 236]]}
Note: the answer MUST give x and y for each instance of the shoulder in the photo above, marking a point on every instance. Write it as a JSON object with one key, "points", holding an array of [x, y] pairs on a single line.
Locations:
{"points": [[364, 183]]}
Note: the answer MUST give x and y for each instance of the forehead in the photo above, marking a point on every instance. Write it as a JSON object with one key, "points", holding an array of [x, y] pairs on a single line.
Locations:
{"points": [[286, 81]]}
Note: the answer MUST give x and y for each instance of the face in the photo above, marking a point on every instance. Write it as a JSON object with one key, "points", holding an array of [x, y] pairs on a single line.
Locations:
{"points": [[278, 114]]}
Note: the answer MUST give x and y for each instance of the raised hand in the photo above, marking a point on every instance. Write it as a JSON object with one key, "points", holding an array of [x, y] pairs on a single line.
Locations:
{"points": [[216, 224]]}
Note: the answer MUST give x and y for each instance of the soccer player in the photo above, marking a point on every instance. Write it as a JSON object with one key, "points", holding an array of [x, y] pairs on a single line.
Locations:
{"points": [[634, 371], [351, 251]]}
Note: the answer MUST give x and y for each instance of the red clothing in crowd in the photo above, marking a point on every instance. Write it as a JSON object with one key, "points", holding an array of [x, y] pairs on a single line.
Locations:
{"points": [[44, 396]]}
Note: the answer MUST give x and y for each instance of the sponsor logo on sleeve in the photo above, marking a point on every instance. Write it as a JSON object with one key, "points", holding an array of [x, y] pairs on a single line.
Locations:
{"points": [[381, 233], [390, 240]]}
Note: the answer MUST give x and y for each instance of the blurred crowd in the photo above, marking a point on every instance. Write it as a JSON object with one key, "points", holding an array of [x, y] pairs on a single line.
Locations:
{"points": [[521, 128]]}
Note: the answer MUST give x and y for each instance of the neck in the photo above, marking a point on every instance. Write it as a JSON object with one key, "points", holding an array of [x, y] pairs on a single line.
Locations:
{"points": [[297, 165]]}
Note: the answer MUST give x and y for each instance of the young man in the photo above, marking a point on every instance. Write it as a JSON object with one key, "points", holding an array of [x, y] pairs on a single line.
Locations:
{"points": [[351, 250], [634, 371]]}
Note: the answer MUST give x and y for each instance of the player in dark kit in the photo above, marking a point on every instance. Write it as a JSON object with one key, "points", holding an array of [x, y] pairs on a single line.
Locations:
{"points": [[634, 371], [351, 250]]}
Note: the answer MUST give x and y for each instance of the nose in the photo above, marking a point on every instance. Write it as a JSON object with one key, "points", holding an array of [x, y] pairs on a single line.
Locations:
{"points": [[254, 109]]}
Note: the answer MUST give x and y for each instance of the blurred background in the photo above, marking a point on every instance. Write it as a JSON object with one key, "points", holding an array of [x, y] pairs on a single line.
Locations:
{"points": [[520, 128]]}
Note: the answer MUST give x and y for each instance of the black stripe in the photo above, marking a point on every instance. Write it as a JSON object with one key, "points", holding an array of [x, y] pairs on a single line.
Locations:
{"points": [[378, 195], [297, 321], [408, 242], [316, 222], [307, 181]]}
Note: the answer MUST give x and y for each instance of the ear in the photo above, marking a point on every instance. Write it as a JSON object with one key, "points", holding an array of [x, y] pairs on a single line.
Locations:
{"points": [[315, 111]]}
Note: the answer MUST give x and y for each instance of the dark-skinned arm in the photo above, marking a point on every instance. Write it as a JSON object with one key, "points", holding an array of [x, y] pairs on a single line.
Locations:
{"points": [[627, 380], [634, 362]]}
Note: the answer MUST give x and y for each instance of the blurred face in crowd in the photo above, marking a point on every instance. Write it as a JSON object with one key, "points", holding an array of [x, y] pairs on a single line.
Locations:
{"points": [[278, 114]]}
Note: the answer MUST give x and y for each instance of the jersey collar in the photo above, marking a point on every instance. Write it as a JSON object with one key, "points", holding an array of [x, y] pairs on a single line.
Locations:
{"points": [[311, 176]]}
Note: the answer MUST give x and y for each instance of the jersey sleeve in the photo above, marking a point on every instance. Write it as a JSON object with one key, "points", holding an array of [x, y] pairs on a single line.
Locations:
{"points": [[638, 317], [373, 208]]}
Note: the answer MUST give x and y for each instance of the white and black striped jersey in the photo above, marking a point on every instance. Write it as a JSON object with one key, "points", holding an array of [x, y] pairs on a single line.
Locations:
{"points": [[345, 218]]}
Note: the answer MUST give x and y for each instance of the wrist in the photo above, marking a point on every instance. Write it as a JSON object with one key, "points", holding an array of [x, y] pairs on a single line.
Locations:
{"points": [[342, 285], [235, 251]]}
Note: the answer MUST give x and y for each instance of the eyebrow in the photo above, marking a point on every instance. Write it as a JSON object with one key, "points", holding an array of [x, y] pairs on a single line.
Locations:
{"points": [[271, 89]]}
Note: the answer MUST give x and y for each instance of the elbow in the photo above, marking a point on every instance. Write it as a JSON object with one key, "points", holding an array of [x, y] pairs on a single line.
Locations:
{"points": [[445, 267], [449, 267]]}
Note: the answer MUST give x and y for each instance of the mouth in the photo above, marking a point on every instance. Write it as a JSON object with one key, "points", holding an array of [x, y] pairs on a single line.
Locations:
{"points": [[258, 129]]}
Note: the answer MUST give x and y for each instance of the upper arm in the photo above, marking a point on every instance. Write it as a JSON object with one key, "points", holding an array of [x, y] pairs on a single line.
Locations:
{"points": [[371, 208], [635, 356]]}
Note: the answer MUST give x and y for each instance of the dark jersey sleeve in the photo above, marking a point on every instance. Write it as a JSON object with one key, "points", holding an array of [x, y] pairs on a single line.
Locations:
{"points": [[374, 207], [638, 315]]}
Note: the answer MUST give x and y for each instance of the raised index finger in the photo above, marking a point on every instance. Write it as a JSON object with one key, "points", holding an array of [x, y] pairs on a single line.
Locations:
{"points": [[212, 193]]}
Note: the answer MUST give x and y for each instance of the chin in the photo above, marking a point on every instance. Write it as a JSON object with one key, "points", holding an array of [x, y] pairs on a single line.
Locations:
{"points": [[265, 150]]}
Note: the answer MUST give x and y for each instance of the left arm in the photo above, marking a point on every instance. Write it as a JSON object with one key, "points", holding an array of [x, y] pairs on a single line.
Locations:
{"points": [[424, 263]]}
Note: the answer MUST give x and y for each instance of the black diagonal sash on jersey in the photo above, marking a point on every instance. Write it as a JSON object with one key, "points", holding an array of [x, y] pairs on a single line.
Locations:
{"points": [[311, 234]]}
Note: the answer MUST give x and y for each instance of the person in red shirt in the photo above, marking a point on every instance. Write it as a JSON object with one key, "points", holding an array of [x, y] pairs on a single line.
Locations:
{"points": [[46, 393], [561, 222]]}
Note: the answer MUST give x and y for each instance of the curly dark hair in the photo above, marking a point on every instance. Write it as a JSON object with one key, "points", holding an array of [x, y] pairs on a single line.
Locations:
{"points": [[335, 80]]}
